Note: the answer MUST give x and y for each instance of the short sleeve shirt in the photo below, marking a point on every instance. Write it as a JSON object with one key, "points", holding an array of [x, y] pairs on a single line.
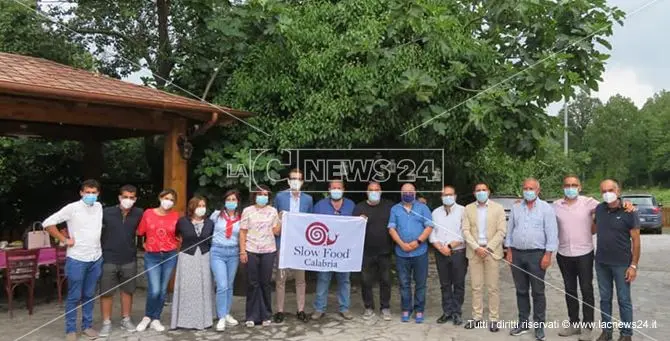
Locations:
{"points": [[410, 225], [613, 239], [259, 222]]}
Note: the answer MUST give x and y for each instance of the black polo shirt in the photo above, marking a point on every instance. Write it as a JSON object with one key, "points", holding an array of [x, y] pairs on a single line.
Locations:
{"points": [[118, 235], [614, 245]]}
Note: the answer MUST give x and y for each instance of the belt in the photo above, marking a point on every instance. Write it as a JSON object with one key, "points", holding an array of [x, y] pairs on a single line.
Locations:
{"points": [[529, 250], [457, 251]]}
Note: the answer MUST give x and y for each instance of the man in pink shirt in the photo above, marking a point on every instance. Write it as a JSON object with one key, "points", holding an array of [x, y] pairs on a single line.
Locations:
{"points": [[575, 252]]}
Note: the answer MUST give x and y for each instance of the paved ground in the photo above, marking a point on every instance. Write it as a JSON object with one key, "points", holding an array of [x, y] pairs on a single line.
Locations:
{"points": [[651, 294]]}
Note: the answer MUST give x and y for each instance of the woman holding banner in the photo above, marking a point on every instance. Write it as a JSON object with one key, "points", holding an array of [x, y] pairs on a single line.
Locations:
{"points": [[259, 225]]}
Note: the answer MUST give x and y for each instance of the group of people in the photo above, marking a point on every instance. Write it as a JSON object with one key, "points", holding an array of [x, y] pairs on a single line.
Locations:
{"points": [[206, 251]]}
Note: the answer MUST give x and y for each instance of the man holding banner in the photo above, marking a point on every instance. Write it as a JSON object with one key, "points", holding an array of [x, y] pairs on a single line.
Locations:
{"points": [[410, 224], [335, 204], [292, 200]]}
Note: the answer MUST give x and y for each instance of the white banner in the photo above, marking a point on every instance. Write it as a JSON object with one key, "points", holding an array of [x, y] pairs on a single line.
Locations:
{"points": [[318, 242]]}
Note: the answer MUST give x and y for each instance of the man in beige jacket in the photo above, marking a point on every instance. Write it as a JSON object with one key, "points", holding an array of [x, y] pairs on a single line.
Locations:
{"points": [[484, 229]]}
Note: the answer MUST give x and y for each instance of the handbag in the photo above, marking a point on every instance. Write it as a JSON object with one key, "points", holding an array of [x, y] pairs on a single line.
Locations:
{"points": [[36, 237]]}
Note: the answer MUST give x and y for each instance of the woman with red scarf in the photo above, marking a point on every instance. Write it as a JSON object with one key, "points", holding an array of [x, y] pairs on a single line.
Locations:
{"points": [[225, 255]]}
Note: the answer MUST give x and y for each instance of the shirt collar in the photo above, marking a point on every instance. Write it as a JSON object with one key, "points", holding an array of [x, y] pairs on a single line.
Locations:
{"points": [[486, 203]]}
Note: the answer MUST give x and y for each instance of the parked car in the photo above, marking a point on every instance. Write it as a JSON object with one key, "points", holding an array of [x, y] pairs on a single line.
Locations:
{"points": [[649, 211], [507, 201]]}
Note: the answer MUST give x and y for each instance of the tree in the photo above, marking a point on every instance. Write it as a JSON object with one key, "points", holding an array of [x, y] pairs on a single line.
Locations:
{"points": [[366, 73], [24, 32], [580, 115], [610, 139], [653, 130]]}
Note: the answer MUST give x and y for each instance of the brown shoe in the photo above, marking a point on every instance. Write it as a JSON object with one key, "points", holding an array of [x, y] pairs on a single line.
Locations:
{"points": [[90, 333], [625, 338], [71, 337], [605, 336]]}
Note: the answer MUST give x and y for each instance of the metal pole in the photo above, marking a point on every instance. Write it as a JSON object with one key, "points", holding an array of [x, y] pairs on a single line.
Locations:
{"points": [[565, 127]]}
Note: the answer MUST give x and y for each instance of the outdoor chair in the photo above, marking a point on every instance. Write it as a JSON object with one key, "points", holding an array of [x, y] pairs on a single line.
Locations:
{"points": [[21, 268], [60, 272]]}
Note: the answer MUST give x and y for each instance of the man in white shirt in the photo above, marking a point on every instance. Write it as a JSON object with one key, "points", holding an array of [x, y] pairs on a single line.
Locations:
{"points": [[83, 265], [450, 259], [484, 230]]}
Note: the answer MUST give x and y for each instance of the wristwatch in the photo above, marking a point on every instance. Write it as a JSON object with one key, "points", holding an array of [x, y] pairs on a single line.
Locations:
{"points": [[450, 247], [419, 241], [633, 266]]}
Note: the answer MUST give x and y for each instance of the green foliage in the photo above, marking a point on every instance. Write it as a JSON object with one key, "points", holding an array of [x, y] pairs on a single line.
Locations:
{"points": [[609, 139], [22, 31], [365, 73]]}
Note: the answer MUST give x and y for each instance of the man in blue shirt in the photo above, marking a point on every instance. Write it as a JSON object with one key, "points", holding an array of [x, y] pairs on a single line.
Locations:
{"points": [[532, 237], [291, 200], [410, 225], [334, 204]]}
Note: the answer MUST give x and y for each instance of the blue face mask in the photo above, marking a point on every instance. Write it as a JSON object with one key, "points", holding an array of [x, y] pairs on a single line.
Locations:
{"points": [[336, 194], [482, 196], [231, 205], [448, 200], [529, 195], [571, 192], [262, 200], [408, 197], [374, 196], [89, 199]]}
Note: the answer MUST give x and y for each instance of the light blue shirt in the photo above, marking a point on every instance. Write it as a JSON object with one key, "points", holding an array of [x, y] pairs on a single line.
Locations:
{"points": [[481, 223], [219, 237], [294, 203], [534, 228]]}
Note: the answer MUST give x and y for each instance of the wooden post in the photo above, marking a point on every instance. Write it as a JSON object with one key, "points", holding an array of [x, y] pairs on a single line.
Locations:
{"points": [[175, 171], [174, 166]]}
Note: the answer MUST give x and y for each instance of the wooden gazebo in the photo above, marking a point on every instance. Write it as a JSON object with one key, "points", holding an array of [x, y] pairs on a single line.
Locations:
{"points": [[42, 98]]}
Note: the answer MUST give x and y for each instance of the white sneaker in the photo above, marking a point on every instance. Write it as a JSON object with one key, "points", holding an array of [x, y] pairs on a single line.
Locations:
{"points": [[142, 326], [221, 325], [249, 324], [231, 321], [157, 326]]}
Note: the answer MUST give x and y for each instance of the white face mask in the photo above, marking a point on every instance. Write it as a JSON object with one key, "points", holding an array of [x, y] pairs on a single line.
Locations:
{"points": [[609, 197], [295, 184], [127, 203], [200, 211], [167, 204]]}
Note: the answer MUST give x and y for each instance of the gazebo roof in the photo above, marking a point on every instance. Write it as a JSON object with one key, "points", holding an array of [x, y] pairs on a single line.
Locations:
{"points": [[41, 78]]}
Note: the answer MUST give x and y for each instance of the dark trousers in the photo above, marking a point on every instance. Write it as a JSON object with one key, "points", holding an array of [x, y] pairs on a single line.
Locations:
{"points": [[452, 270], [578, 270], [529, 276], [376, 267], [259, 275]]}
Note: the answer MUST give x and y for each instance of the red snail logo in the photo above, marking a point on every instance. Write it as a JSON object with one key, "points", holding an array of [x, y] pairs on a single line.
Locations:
{"points": [[317, 234]]}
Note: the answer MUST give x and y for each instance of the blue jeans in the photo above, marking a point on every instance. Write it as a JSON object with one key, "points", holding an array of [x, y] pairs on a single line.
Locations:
{"points": [[82, 279], [409, 267], [607, 276], [343, 290], [224, 262], [158, 267]]}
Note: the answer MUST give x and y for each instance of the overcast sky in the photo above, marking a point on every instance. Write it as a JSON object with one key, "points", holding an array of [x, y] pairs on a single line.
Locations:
{"points": [[640, 56], [638, 66]]}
